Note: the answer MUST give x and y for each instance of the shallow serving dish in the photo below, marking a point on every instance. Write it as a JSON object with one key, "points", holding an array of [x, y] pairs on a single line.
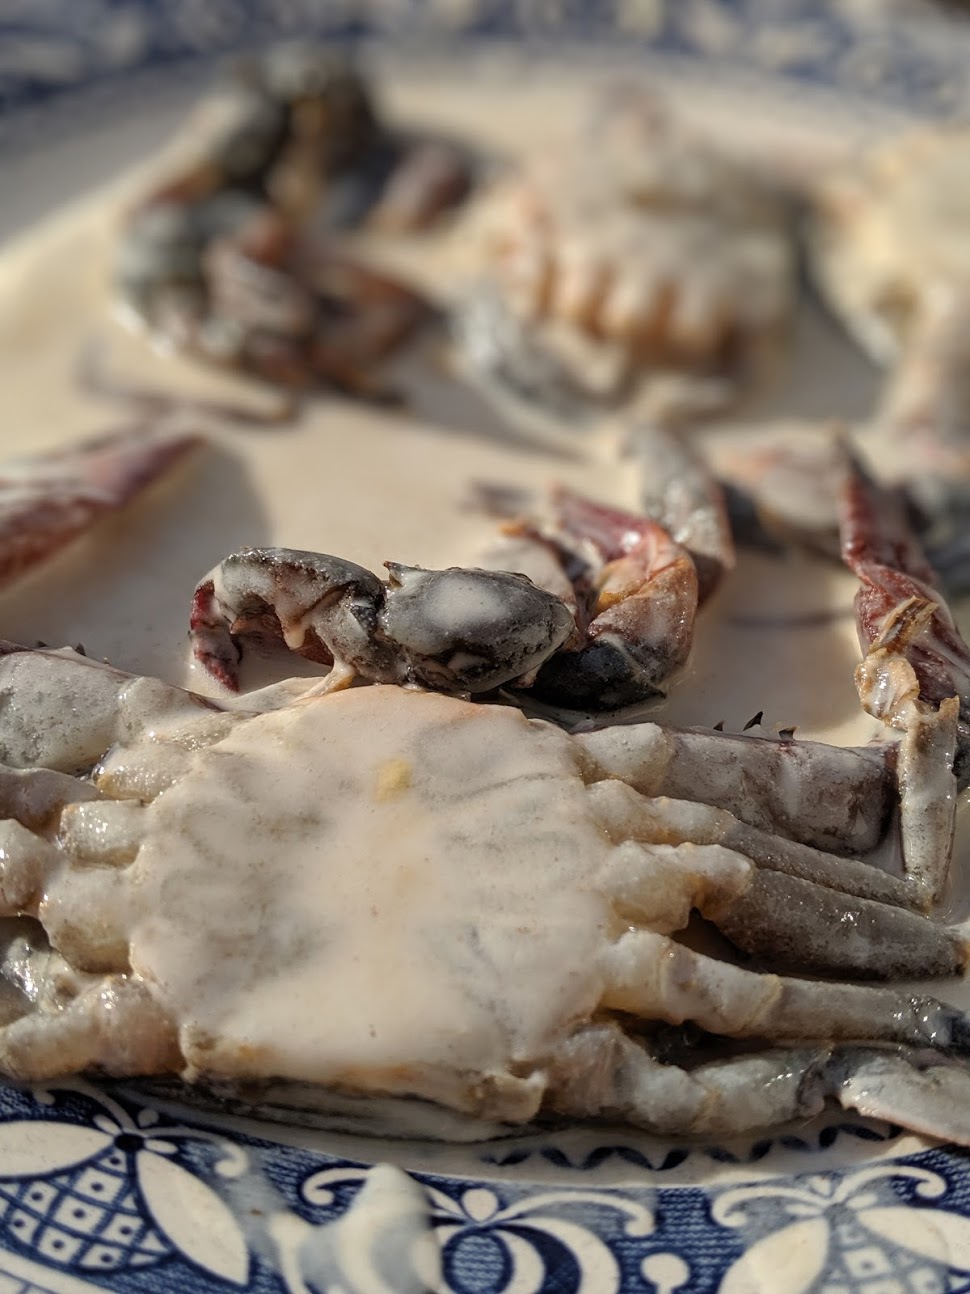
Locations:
{"points": [[118, 1188]]}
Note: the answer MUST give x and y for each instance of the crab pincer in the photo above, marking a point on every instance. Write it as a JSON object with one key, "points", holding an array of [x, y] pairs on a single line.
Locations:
{"points": [[633, 580], [636, 596], [458, 630]]}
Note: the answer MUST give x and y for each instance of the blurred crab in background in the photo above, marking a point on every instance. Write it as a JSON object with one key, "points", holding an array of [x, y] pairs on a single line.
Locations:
{"points": [[234, 256], [637, 249], [888, 248]]}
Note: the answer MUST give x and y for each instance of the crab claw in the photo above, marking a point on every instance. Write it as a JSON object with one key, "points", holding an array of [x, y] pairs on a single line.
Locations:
{"points": [[639, 625], [457, 630], [48, 500]]}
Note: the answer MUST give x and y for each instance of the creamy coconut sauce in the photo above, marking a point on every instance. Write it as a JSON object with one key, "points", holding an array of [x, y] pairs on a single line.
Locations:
{"points": [[387, 859]]}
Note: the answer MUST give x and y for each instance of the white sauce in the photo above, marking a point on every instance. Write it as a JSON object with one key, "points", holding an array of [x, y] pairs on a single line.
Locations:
{"points": [[421, 879]]}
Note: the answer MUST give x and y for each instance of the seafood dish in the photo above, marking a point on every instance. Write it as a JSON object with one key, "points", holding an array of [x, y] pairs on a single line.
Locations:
{"points": [[403, 820]]}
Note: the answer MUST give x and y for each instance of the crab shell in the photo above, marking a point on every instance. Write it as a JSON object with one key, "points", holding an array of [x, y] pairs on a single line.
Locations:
{"points": [[389, 894], [645, 236]]}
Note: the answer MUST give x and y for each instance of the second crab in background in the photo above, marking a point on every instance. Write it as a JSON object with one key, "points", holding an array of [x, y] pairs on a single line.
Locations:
{"points": [[235, 258]]}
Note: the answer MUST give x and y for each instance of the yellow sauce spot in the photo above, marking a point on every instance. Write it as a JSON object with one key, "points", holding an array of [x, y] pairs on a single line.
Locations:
{"points": [[393, 778]]}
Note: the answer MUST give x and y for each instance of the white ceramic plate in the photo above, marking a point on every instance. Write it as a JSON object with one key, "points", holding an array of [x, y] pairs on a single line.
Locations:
{"points": [[113, 1189]]}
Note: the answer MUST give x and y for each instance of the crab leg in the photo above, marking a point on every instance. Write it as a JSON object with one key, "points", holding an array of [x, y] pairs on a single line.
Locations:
{"points": [[627, 815], [48, 500], [785, 921], [914, 1090], [50, 883], [113, 1024], [679, 493], [86, 707], [36, 796], [640, 625], [833, 798], [653, 976], [792, 924], [786, 494], [600, 1072], [929, 389], [915, 674], [304, 314], [48, 876], [898, 593], [522, 378], [800, 906]]}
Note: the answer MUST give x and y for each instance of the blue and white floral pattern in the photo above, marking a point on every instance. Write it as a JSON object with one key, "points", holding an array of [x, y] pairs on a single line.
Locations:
{"points": [[49, 45], [855, 1232], [106, 1193], [102, 1191]]}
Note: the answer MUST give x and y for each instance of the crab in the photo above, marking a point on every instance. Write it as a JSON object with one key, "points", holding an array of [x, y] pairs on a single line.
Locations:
{"points": [[383, 893], [640, 238], [232, 258], [266, 298], [591, 611]]}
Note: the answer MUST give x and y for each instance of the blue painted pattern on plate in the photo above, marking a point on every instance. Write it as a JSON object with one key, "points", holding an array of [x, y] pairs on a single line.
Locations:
{"points": [[47, 45], [99, 1190]]}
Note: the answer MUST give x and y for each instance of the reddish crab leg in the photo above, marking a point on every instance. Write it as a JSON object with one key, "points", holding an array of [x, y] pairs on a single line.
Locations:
{"points": [[898, 602], [915, 674], [48, 500], [640, 622]]}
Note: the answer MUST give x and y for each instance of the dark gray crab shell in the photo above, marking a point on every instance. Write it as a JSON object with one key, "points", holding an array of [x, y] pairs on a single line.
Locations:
{"points": [[467, 630]]}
